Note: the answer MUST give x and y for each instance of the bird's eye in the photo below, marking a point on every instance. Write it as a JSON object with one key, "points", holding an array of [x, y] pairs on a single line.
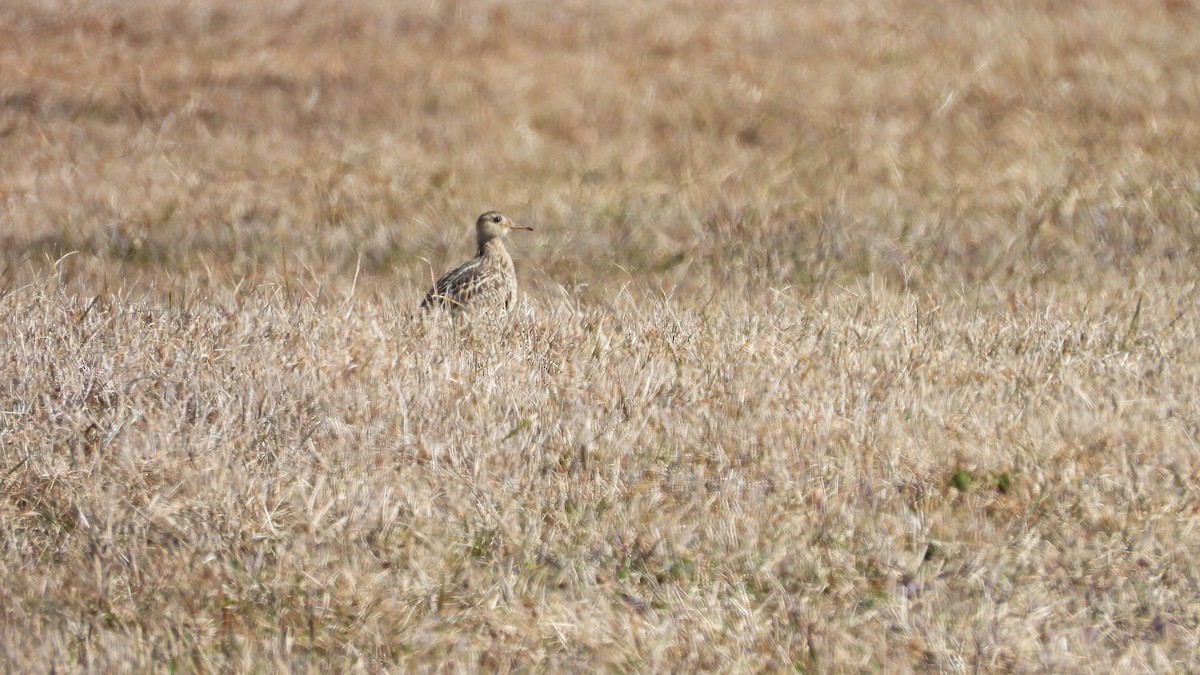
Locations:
{"points": [[496, 218]]}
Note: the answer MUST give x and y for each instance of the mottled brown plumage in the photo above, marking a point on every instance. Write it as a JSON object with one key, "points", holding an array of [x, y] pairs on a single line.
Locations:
{"points": [[487, 281]]}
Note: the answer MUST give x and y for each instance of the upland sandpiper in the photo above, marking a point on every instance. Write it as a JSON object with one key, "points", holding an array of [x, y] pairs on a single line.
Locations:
{"points": [[487, 281]]}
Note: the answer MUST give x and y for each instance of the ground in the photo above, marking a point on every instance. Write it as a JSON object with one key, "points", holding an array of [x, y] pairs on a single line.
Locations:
{"points": [[853, 336]]}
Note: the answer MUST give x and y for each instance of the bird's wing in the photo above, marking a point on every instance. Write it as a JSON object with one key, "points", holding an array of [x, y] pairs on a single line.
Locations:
{"points": [[456, 287]]}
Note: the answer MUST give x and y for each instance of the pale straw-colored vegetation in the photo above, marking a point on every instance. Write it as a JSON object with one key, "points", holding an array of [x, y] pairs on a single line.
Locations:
{"points": [[853, 336]]}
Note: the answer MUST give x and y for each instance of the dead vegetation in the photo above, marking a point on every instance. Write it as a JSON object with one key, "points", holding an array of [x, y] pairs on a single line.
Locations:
{"points": [[855, 336]]}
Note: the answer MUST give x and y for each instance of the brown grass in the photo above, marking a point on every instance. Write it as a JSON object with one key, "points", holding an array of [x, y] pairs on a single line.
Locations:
{"points": [[856, 336]]}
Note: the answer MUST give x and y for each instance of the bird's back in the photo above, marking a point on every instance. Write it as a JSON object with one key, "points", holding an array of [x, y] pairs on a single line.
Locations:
{"points": [[486, 281]]}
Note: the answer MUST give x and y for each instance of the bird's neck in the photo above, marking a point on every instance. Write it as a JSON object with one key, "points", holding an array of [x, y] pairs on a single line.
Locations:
{"points": [[492, 248]]}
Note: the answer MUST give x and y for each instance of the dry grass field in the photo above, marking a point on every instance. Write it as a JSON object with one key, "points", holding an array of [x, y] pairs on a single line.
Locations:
{"points": [[854, 336]]}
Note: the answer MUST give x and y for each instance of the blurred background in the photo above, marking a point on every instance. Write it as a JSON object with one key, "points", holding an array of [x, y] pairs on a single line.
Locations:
{"points": [[681, 146]]}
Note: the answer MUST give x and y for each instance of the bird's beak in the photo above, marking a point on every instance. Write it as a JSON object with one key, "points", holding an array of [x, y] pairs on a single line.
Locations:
{"points": [[514, 226]]}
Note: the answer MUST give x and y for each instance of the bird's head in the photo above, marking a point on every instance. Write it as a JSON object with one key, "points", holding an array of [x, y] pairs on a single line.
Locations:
{"points": [[493, 225]]}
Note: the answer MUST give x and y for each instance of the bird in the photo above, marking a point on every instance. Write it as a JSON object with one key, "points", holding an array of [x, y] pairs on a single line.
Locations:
{"points": [[487, 281]]}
